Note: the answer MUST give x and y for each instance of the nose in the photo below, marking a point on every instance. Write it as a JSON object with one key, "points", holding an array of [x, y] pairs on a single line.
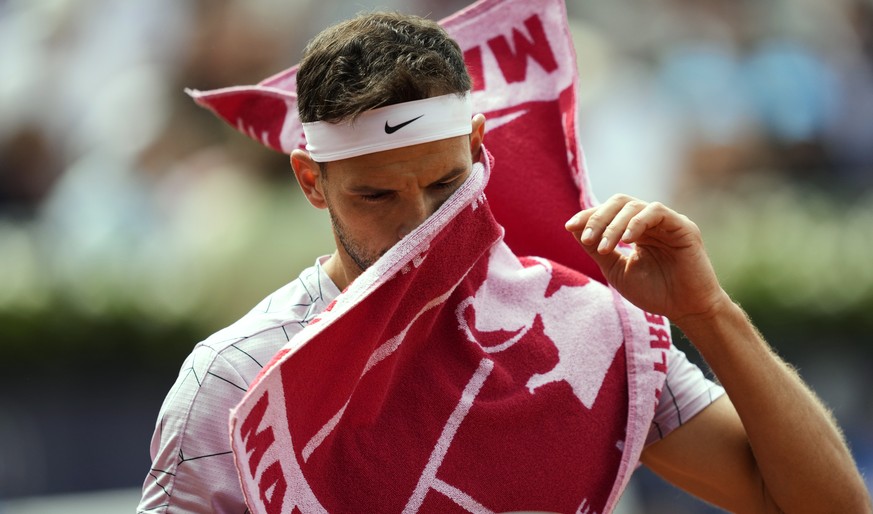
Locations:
{"points": [[417, 210]]}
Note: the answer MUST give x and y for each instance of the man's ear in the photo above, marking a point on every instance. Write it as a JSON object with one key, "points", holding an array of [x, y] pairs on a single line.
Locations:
{"points": [[477, 136], [308, 173]]}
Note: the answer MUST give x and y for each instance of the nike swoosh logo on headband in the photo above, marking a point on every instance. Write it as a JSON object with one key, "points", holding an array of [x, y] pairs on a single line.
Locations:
{"points": [[390, 130]]}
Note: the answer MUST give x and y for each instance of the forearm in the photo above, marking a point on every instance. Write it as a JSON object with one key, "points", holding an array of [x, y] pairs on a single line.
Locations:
{"points": [[800, 453]]}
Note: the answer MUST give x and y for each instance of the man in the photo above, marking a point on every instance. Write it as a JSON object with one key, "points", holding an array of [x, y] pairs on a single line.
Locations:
{"points": [[766, 446]]}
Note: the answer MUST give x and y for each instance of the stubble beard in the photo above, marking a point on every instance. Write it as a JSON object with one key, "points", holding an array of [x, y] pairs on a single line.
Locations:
{"points": [[356, 251]]}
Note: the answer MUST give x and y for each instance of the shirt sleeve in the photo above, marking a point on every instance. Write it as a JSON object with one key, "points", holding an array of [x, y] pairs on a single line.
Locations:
{"points": [[192, 464], [686, 393]]}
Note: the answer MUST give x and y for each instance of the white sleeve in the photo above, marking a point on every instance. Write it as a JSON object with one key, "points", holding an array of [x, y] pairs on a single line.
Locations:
{"points": [[686, 392], [192, 464]]}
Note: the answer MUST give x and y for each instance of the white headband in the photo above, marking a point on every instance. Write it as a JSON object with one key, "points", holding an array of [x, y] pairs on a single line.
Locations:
{"points": [[393, 126]]}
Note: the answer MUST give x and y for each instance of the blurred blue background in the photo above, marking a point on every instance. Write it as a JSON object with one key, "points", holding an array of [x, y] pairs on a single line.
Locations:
{"points": [[133, 223]]}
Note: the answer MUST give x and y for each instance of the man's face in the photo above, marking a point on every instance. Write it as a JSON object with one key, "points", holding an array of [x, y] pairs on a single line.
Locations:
{"points": [[376, 199]]}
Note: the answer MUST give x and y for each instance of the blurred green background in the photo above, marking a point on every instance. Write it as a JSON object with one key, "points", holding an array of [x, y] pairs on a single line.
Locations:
{"points": [[133, 224]]}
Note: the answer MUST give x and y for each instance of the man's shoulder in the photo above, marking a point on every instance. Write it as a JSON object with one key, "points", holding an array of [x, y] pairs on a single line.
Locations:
{"points": [[259, 334]]}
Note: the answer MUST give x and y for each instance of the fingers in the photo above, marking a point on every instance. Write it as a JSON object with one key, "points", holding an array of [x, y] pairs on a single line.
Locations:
{"points": [[620, 219]]}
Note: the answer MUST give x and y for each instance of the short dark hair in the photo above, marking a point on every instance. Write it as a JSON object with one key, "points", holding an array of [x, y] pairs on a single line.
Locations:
{"points": [[374, 60]]}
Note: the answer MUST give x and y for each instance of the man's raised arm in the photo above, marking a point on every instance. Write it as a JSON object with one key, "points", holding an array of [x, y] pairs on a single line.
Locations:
{"points": [[772, 446]]}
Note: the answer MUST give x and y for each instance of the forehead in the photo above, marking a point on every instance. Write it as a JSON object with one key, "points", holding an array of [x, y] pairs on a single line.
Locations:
{"points": [[426, 160]]}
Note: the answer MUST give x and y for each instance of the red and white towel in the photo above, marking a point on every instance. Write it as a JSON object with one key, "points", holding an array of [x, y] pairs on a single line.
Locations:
{"points": [[452, 375]]}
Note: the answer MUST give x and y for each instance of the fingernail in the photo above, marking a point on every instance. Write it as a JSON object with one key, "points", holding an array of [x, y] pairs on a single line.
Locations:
{"points": [[588, 235], [626, 236], [603, 244]]}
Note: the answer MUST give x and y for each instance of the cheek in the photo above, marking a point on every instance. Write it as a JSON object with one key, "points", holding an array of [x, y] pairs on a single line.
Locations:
{"points": [[373, 225]]}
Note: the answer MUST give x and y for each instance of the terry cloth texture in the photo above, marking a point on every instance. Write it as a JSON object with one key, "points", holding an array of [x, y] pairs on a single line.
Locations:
{"points": [[454, 375]]}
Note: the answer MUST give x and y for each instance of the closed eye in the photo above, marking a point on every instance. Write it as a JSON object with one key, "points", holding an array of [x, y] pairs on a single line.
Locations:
{"points": [[376, 196], [446, 184]]}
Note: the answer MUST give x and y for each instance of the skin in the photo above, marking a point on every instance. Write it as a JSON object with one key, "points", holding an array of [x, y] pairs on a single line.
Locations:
{"points": [[768, 446]]}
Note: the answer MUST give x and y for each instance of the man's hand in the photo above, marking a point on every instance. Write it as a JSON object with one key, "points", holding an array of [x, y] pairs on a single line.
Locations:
{"points": [[667, 271]]}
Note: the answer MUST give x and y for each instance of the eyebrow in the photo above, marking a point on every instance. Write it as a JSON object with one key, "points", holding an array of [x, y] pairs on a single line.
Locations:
{"points": [[365, 189], [453, 174]]}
